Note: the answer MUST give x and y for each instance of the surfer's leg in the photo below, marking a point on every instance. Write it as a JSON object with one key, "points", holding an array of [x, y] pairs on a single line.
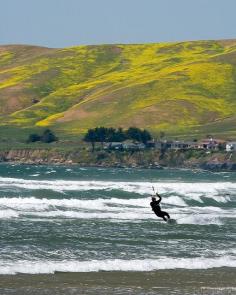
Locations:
{"points": [[159, 214], [162, 215], [166, 214], [164, 218]]}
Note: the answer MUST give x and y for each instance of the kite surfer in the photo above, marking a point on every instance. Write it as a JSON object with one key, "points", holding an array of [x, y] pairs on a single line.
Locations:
{"points": [[157, 209]]}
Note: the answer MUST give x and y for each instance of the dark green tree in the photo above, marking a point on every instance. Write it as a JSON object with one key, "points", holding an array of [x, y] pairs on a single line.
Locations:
{"points": [[139, 135], [134, 134], [91, 137], [110, 134], [33, 138], [120, 135], [101, 134], [48, 136], [145, 136]]}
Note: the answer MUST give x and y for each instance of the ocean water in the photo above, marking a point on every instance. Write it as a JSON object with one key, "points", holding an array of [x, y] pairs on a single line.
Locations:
{"points": [[92, 231]]}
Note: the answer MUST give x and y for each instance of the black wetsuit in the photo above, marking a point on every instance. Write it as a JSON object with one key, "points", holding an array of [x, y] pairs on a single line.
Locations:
{"points": [[157, 209]]}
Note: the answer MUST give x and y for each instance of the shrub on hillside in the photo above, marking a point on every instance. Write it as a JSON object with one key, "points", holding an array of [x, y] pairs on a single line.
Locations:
{"points": [[33, 138], [47, 137]]}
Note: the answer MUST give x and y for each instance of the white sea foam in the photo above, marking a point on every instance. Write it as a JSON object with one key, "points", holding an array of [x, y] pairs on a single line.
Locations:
{"points": [[36, 267], [132, 216], [94, 215], [98, 204], [222, 252], [191, 190], [112, 204], [6, 214], [200, 219], [29, 203], [103, 208]]}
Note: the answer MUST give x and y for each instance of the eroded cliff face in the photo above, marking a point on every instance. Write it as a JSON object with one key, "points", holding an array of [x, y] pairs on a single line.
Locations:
{"points": [[81, 157], [216, 161], [29, 156]]}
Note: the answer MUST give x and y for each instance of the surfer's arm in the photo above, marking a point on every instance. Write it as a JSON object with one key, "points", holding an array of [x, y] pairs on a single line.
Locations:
{"points": [[159, 198]]}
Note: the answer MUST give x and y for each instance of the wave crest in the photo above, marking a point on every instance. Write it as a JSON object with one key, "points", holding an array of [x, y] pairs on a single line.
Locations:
{"points": [[40, 267]]}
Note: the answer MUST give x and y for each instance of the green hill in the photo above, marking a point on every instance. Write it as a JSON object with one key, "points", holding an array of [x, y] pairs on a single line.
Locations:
{"points": [[185, 89]]}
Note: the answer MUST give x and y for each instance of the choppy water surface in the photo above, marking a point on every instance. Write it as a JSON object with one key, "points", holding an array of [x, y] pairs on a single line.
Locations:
{"points": [[72, 219]]}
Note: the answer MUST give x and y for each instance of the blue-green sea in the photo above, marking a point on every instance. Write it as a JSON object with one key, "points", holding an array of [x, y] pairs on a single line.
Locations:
{"points": [[66, 221]]}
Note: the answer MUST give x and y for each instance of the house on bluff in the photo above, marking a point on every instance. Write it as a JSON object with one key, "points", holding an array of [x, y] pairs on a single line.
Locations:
{"points": [[231, 146], [212, 144]]}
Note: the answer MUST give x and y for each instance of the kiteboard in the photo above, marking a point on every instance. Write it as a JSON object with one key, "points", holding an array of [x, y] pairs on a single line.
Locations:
{"points": [[171, 221]]}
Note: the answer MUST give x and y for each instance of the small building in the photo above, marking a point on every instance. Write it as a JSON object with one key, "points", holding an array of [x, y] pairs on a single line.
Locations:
{"points": [[230, 146], [192, 145], [150, 144], [211, 144], [179, 145], [113, 146], [141, 146], [133, 146], [163, 145]]}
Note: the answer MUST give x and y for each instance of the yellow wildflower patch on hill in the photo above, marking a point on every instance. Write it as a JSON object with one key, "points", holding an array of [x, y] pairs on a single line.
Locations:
{"points": [[178, 87]]}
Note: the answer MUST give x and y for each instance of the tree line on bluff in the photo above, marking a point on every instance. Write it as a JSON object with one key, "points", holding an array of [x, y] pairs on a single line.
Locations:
{"points": [[103, 134], [99, 134]]}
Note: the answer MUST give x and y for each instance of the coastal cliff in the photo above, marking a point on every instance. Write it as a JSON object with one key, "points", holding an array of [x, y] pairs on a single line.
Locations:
{"points": [[153, 159]]}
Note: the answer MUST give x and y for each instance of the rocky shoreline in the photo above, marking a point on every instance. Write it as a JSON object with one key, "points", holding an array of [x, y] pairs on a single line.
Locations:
{"points": [[151, 159]]}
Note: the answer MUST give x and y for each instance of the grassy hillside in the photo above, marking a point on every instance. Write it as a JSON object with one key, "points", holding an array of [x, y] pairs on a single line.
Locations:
{"points": [[186, 89]]}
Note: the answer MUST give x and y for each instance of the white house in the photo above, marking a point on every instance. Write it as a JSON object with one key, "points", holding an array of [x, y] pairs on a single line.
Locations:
{"points": [[231, 146]]}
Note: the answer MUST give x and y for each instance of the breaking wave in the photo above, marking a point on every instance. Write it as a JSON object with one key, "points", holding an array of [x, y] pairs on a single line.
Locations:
{"points": [[40, 267], [219, 191], [112, 209], [60, 225]]}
